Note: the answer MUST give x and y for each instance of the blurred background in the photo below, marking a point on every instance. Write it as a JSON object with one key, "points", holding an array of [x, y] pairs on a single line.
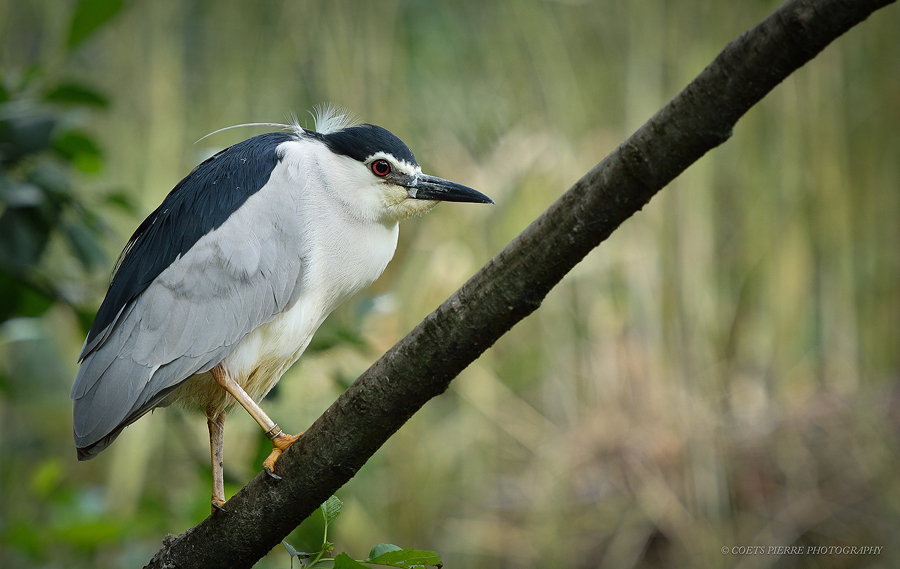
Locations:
{"points": [[722, 372]]}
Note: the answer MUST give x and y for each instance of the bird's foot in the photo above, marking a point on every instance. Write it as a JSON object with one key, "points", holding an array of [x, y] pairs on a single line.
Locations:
{"points": [[280, 444], [218, 505]]}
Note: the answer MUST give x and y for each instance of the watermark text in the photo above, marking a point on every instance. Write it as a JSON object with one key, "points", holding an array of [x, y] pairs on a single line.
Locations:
{"points": [[803, 550]]}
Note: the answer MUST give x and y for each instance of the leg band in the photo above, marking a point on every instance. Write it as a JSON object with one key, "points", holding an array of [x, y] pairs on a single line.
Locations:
{"points": [[274, 432]]}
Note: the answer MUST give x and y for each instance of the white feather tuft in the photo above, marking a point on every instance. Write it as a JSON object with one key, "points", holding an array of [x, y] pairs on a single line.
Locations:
{"points": [[329, 118]]}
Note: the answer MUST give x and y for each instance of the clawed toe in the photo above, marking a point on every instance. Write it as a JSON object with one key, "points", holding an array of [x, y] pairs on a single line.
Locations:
{"points": [[280, 443]]}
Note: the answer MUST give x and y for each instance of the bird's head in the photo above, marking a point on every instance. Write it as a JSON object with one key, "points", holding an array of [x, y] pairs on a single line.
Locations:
{"points": [[380, 173]]}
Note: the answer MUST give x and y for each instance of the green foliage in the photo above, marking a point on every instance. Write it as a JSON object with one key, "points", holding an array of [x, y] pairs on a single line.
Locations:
{"points": [[75, 94], [393, 556], [50, 242], [37, 200], [89, 16], [384, 554], [344, 561], [331, 509], [80, 149], [381, 549], [39, 152]]}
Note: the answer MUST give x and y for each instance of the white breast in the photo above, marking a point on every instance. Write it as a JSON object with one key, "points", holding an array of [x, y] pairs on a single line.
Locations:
{"points": [[341, 254], [265, 354]]}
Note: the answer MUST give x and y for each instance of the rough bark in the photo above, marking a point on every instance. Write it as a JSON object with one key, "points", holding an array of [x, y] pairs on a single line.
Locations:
{"points": [[512, 285]]}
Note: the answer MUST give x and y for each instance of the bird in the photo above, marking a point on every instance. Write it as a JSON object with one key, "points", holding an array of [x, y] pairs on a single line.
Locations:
{"points": [[221, 288]]}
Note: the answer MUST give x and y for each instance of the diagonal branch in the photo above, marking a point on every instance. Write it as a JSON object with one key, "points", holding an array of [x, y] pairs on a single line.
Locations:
{"points": [[513, 284]]}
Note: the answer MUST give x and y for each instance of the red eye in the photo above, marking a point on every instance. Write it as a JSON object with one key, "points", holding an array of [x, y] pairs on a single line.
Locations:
{"points": [[381, 168]]}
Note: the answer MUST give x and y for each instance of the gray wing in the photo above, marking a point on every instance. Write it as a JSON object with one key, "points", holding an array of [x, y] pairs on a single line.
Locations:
{"points": [[195, 313]]}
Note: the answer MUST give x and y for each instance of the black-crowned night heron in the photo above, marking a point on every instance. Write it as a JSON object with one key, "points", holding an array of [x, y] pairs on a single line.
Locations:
{"points": [[221, 288]]}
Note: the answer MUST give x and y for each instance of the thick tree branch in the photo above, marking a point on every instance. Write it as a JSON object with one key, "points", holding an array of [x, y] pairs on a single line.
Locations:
{"points": [[512, 285]]}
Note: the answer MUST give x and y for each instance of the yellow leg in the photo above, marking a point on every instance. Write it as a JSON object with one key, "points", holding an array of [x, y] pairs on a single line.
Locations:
{"points": [[216, 424], [280, 441]]}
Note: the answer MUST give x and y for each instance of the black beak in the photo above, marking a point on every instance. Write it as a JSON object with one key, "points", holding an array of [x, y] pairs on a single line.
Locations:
{"points": [[425, 187]]}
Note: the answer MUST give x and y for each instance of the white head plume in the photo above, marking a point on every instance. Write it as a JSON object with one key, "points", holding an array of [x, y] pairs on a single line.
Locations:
{"points": [[329, 118]]}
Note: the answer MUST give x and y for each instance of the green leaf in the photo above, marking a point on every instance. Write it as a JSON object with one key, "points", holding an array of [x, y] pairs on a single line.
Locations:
{"points": [[72, 93], [23, 135], [294, 553], [24, 233], [75, 142], [46, 478], [25, 537], [33, 75], [87, 533], [80, 149], [89, 16], [19, 297], [85, 246], [381, 549], [331, 337], [33, 302], [21, 195], [123, 200], [331, 509], [53, 181], [85, 318], [407, 558], [344, 561]]}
